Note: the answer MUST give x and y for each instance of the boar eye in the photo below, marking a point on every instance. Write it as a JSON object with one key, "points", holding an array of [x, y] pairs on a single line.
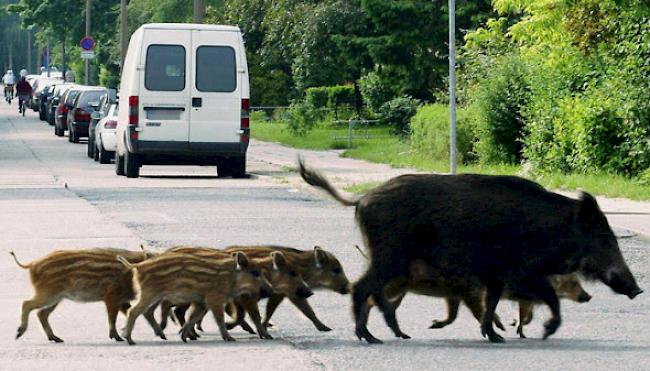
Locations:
{"points": [[293, 274], [336, 270], [255, 273]]}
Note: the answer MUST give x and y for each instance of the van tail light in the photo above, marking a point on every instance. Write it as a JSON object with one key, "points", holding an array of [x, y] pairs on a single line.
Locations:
{"points": [[134, 109], [245, 119], [81, 115], [110, 124]]}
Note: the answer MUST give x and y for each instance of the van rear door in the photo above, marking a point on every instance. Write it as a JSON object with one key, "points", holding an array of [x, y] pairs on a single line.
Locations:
{"points": [[165, 87], [216, 92]]}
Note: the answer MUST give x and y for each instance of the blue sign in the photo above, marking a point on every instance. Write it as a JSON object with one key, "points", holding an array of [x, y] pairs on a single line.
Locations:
{"points": [[87, 43]]}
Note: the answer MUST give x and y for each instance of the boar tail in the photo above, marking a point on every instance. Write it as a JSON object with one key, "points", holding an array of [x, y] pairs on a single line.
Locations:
{"points": [[362, 252], [125, 262], [314, 178], [19, 263]]}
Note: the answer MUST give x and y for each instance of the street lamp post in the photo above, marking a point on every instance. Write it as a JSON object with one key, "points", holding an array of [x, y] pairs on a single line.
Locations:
{"points": [[87, 61], [199, 11], [123, 31], [29, 48], [452, 85]]}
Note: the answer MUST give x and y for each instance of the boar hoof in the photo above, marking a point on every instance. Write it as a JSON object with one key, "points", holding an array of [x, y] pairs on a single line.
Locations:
{"points": [[198, 327], [323, 328], [438, 324], [162, 336], [367, 336], [113, 335], [228, 338], [551, 326], [21, 331], [402, 335], [267, 324], [514, 323], [266, 336], [55, 339], [130, 341], [492, 335]]}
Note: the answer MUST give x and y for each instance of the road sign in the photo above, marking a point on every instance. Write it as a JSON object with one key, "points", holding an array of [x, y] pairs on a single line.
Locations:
{"points": [[87, 54], [87, 43]]}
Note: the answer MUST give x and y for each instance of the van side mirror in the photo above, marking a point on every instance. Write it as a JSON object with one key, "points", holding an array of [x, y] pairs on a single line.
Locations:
{"points": [[96, 116], [93, 104]]}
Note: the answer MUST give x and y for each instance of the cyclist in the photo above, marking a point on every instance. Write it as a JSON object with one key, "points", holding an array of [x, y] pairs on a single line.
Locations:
{"points": [[9, 80], [23, 91]]}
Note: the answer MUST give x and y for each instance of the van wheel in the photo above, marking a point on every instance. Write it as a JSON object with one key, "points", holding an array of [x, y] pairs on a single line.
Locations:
{"points": [[238, 166], [224, 168], [131, 165], [119, 164]]}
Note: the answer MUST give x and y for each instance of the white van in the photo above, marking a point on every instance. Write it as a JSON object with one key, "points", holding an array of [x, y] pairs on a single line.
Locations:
{"points": [[184, 99]]}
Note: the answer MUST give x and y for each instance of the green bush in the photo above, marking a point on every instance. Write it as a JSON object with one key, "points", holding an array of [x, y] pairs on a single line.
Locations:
{"points": [[397, 114], [317, 97], [430, 133], [376, 91], [258, 117], [300, 118], [500, 100], [340, 95]]}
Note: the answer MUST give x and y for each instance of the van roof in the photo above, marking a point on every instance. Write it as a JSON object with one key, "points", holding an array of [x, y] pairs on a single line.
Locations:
{"points": [[189, 26]]}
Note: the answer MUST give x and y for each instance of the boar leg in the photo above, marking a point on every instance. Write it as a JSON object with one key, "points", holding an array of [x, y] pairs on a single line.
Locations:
{"points": [[494, 292], [361, 291], [453, 303], [250, 304], [112, 308], [239, 317], [217, 306], [43, 316], [525, 312], [142, 305], [148, 315], [165, 312], [271, 306], [187, 331], [546, 292], [305, 308], [38, 301]]}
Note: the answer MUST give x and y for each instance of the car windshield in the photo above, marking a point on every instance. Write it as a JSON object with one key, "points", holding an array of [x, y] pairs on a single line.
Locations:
{"points": [[90, 96]]}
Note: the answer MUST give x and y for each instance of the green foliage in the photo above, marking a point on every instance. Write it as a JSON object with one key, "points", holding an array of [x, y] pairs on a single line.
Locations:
{"points": [[397, 114], [340, 94], [317, 97], [430, 131], [301, 118], [499, 100], [376, 91]]}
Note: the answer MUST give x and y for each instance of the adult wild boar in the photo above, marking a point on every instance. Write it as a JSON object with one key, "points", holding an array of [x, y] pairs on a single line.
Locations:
{"points": [[498, 230]]}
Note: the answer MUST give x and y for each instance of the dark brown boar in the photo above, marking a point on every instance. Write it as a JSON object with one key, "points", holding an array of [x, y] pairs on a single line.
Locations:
{"points": [[83, 276], [498, 230], [185, 278], [319, 268]]}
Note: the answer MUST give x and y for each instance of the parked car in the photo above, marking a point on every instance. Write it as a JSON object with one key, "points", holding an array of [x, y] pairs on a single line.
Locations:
{"points": [[45, 95], [61, 117], [105, 143], [38, 85], [184, 99], [53, 102], [79, 113], [105, 103]]}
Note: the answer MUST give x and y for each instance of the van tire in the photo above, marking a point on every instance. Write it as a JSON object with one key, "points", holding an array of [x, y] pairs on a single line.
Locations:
{"points": [[104, 156], [119, 164], [90, 150], [238, 166], [131, 165], [224, 168]]}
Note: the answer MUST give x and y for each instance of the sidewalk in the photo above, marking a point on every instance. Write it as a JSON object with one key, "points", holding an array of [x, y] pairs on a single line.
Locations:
{"points": [[632, 217]]}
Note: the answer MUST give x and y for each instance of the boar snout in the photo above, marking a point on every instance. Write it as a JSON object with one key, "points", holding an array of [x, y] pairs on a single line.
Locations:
{"points": [[622, 282], [304, 292], [584, 297], [345, 289]]}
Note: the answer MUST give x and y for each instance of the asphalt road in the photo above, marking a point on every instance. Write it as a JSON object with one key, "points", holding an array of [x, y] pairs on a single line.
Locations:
{"points": [[53, 197]]}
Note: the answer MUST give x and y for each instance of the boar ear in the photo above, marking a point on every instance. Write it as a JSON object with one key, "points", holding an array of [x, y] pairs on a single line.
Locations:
{"points": [[319, 256], [240, 259], [589, 213], [278, 260]]}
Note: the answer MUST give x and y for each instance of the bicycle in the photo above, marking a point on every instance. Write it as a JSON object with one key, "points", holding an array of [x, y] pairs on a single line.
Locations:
{"points": [[22, 104], [9, 93]]}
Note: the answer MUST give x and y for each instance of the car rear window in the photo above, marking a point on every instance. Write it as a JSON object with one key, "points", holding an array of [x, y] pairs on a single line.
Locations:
{"points": [[165, 68], [90, 96], [71, 97], [216, 69]]}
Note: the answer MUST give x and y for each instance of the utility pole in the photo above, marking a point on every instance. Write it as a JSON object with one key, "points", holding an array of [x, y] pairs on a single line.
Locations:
{"points": [[87, 61], [123, 31], [452, 85], [199, 11], [29, 48]]}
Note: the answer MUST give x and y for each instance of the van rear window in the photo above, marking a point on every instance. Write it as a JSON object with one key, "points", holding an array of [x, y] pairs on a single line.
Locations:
{"points": [[216, 69], [165, 68]]}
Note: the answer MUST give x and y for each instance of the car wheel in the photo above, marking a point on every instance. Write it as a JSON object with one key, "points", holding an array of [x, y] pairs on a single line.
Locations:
{"points": [[238, 166], [119, 164], [131, 165], [41, 115], [74, 134], [69, 134], [90, 151], [104, 156], [96, 153], [58, 132]]}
